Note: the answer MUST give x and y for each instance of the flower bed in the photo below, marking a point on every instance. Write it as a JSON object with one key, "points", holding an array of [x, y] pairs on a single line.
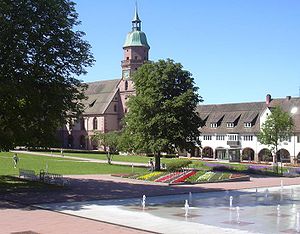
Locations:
{"points": [[168, 177], [150, 175], [210, 177], [183, 178]]}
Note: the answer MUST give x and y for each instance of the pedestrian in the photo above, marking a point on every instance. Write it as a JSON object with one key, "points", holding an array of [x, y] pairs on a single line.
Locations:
{"points": [[151, 164], [62, 152], [16, 160]]}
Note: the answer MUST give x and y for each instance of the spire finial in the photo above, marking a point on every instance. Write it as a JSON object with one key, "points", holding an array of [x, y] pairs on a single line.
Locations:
{"points": [[136, 22]]}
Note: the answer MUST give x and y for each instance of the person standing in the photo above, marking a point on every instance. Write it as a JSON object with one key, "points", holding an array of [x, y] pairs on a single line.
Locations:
{"points": [[16, 160]]}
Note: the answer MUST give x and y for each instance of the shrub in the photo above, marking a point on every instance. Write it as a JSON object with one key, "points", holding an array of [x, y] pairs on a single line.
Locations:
{"points": [[178, 164]]}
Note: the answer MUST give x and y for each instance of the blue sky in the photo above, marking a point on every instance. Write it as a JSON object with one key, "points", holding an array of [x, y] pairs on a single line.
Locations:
{"points": [[237, 50]]}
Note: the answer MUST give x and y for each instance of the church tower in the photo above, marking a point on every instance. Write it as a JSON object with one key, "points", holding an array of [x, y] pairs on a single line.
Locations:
{"points": [[136, 50]]}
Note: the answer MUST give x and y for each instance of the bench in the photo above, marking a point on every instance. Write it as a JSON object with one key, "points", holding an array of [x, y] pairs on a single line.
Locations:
{"points": [[27, 174], [53, 178]]}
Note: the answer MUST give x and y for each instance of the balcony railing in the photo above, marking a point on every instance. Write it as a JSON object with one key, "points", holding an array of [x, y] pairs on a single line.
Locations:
{"points": [[233, 143]]}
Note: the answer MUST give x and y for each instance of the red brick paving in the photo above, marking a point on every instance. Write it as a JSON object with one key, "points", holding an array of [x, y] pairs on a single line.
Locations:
{"points": [[18, 218]]}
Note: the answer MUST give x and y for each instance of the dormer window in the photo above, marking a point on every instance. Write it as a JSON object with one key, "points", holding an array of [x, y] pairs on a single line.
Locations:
{"points": [[247, 124], [213, 125], [230, 125]]}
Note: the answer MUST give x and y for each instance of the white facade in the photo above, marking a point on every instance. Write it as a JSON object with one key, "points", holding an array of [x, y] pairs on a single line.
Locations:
{"points": [[233, 133]]}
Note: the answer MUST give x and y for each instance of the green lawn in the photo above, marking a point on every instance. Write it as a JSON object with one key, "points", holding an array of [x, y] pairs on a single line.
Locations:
{"points": [[121, 158], [59, 165]]}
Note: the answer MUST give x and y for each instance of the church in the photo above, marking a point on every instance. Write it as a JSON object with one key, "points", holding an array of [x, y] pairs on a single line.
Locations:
{"points": [[230, 130], [106, 100]]}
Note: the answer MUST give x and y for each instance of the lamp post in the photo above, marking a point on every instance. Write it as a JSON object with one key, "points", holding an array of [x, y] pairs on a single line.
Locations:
{"points": [[294, 111]]}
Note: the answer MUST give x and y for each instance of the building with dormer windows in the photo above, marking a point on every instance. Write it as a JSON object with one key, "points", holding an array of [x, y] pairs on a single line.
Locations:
{"points": [[230, 131]]}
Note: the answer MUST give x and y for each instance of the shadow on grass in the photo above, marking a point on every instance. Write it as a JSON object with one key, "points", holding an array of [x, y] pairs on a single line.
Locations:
{"points": [[80, 190]]}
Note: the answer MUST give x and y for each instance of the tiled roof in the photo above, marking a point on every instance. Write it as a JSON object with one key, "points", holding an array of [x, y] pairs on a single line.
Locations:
{"points": [[99, 95], [287, 104], [243, 112]]}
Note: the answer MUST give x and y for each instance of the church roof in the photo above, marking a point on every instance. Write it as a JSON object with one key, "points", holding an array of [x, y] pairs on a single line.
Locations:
{"points": [[99, 95]]}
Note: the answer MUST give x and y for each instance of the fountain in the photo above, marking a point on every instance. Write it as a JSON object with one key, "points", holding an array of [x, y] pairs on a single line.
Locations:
{"points": [[238, 215], [297, 222], [186, 208], [230, 202], [144, 202], [278, 210]]}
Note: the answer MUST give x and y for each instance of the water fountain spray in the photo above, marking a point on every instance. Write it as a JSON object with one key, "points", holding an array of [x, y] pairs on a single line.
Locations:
{"points": [[144, 202], [186, 208], [238, 214], [230, 202], [278, 210]]}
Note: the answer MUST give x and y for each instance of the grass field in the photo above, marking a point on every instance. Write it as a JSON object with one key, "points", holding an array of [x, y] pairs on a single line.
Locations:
{"points": [[59, 165], [120, 158]]}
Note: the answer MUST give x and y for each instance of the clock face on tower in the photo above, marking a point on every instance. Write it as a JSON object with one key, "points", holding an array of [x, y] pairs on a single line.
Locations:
{"points": [[126, 74]]}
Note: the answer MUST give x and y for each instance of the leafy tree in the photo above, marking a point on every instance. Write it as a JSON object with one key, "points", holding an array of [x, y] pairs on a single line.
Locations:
{"points": [[278, 125], [162, 116], [109, 140], [41, 54]]}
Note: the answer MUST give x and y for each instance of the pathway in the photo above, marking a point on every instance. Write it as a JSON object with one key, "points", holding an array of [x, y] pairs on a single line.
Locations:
{"points": [[82, 159]]}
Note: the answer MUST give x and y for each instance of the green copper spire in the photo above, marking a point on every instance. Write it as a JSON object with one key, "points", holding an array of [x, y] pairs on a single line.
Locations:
{"points": [[136, 37]]}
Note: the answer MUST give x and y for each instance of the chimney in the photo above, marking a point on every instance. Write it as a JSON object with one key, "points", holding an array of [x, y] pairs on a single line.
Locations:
{"points": [[288, 98], [268, 99]]}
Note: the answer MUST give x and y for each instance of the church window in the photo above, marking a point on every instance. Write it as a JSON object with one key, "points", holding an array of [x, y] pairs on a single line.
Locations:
{"points": [[125, 110], [126, 85], [95, 123], [135, 57], [127, 58], [115, 108]]}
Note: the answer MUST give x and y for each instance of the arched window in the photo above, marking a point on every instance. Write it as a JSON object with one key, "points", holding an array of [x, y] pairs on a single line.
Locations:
{"points": [[115, 108], [126, 85], [95, 123]]}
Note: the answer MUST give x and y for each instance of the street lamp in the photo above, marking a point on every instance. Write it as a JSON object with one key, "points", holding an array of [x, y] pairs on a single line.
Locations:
{"points": [[294, 111]]}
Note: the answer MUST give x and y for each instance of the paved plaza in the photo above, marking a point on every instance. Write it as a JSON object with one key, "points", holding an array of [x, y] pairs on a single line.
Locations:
{"points": [[19, 211]]}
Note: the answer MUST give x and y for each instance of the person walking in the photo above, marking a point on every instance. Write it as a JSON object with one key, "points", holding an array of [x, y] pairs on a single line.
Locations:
{"points": [[16, 160]]}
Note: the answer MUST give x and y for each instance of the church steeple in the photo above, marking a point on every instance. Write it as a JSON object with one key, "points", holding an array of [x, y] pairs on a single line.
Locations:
{"points": [[136, 22], [135, 48]]}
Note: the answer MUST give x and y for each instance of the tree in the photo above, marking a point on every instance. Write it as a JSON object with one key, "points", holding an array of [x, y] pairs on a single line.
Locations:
{"points": [[110, 141], [41, 55], [162, 116], [278, 126]]}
